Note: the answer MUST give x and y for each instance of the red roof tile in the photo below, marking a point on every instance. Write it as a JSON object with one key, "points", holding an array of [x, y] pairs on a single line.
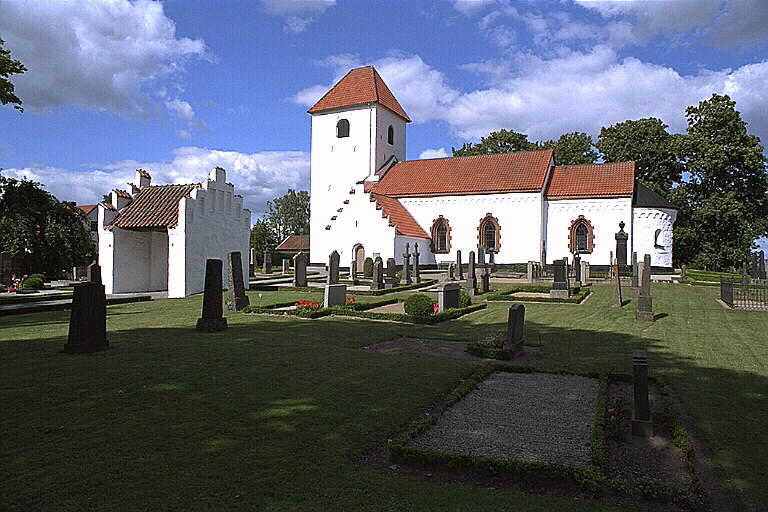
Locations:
{"points": [[358, 87], [294, 243], [592, 180], [86, 208], [399, 217], [154, 207], [523, 171]]}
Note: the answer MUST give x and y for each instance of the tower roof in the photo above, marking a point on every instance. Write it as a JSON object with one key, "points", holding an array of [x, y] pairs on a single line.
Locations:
{"points": [[358, 87]]}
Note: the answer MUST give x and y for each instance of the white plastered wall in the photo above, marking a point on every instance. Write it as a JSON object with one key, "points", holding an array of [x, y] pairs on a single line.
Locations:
{"points": [[603, 214], [646, 222]]}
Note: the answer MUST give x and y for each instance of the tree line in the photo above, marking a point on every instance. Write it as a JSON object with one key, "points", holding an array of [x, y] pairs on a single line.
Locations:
{"points": [[286, 215]]}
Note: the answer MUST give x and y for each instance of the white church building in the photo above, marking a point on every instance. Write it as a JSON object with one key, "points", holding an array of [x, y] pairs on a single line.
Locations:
{"points": [[158, 237], [367, 200]]}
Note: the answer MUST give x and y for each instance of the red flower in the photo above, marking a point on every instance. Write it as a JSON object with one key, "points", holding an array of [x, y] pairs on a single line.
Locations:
{"points": [[435, 308]]}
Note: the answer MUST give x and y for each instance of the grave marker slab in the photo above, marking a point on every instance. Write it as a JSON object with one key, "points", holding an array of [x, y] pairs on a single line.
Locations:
{"points": [[644, 309], [471, 276], [267, 268], [300, 270], [94, 273], [407, 264], [448, 296], [560, 285], [485, 280], [642, 424], [617, 278], [391, 280], [333, 268], [87, 320], [236, 297], [621, 244], [213, 319], [515, 329], [459, 270], [635, 288], [378, 275], [335, 295]]}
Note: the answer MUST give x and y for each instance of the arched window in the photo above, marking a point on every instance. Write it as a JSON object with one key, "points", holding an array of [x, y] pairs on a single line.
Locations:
{"points": [[581, 238], [390, 135], [657, 240], [342, 128], [489, 233], [441, 236]]}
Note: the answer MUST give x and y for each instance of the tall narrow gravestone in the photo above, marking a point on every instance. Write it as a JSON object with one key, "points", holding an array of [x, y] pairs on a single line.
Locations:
{"points": [[530, 272], [300, 270], [485, 280], [213, 319], [267, 263], [635, 288], [236, 297], [452, 271], [378, 275], [642, 424], [416, 254], [87, 320], [577, 269], [560, 286], [515, 329], [251, 262], [448, 296], [94, 273], [610, 265], [353, 271], [481, 255], [621, 245], [407, 264], [333, 268], [391, 280], [471, 276], [617, 279], [644, 309], [585, 270], [459, 270]]}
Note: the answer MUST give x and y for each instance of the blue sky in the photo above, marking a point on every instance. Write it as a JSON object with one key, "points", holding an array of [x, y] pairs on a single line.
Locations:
{"points": [[180, 86]]}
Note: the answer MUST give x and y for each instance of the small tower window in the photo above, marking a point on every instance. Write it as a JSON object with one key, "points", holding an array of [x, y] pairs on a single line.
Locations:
{"points": [[657, 240], [390, 135], [342, 128]]}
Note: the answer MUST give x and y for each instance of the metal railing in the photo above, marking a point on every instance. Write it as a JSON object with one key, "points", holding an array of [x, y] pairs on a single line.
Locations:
{"points": [[751, 294]]}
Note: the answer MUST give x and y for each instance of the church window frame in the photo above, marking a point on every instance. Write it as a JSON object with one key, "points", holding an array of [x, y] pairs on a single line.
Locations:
{"points": [[581, 237], [441, 236], [657, 235], [342, 128], [390, 135], [489, 233]]}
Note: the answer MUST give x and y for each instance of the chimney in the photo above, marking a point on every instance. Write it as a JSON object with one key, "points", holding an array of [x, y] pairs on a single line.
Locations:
{"points": [[143, 178], [120, 199]]}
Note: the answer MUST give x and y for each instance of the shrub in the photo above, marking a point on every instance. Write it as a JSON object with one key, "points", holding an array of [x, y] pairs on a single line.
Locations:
{"points": [[40, 276], [419, 305], [368, 267], [465, 300], [33, 283]]}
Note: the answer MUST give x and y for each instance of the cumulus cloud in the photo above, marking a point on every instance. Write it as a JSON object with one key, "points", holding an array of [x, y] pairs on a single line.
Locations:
{"points": [[433, 153], [468, 7], [298, 14], [183, 111], [93, 54], [258, 177]]}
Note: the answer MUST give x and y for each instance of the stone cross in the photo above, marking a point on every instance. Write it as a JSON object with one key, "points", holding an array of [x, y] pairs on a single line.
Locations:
{"points": [[94, 273], [485, 280], [459, 270], [391, 280], [617, 278], [448, 295], [300, 270], [560, 285], [267, 263], [635, 288], [471, 277], [621, 244], [88, 319], [213, 319], [407, 264], [333, 268], [515, 329], [416, 254], [286, 265], [236, 297], [644, 309], [642, 424], [378, 275]]}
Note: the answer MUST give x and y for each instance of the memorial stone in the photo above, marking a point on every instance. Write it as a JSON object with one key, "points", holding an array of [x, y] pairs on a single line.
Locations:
{"points": [[610, 265], [87, 320], [560, 286], [515, 329], [236, 297], [335, 295], [448, 296], [452, 271], [492, 260], [617, 278], [407, 264], [635, 288], [480, 255], [683, 271], [577, 268], [378, 276], [644, 309], [353, 272], [585, 270], [530, 272], [267, 268], [485, 280], [391, 280], [251, 262], [621, 245], [471, 277], [642, 424], [459, 270], [213, 319], [94, 273], [300, 270], [416, 254], [333, 268]]}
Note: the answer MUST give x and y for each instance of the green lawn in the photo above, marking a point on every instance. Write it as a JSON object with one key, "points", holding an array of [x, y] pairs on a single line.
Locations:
{"points": [[273, 413]]}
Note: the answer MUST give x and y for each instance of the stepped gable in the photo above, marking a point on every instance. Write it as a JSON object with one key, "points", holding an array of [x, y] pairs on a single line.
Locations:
{"points": [[522, 171], [154, 207], [399, 217], [358, 87], [592, 180]]}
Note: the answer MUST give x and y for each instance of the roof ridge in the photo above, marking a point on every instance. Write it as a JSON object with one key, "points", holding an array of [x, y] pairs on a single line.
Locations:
{"points": [[475, 156]]}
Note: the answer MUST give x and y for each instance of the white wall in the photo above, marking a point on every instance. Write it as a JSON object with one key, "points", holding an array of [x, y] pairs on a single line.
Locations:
{"points": [[603, 214], [140, 261], [646, 222]]}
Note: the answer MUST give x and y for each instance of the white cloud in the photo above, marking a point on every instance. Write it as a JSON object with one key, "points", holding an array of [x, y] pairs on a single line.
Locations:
{"points": [[298, 14], [258, 177], [93, 54], [182, 110], [433, 153], [468, 7]]}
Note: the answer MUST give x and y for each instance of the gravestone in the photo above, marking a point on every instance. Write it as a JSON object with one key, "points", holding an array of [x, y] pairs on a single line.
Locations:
{"points": [[236, 297], [642, 424], [485, 280], [251, 262], [459, 270], [617, 278], [267, 268], [416, 254], [621, 245], [762, 265], [515, 329], [286, 265], [213, 319], [585, 270], [480, 255], [577, 268], [530, 272], [300, 270], [560, 286], [452, 271], [407, 264], [87, 320], [644, 309], [683, 271], [391, 280], [353, 272], [335, 295], [333, 268], [610, 265], [471, 277], [635, 288], [378, 275], [448, 296], [492, 260], [94, 273]]}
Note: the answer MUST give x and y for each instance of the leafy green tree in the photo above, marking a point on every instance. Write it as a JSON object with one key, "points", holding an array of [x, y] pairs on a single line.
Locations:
{"points": [[48, 234], [262, 238], [8, 67], [725, 206], [502, 141], [289, 214], [572, 148], [649, 145]]}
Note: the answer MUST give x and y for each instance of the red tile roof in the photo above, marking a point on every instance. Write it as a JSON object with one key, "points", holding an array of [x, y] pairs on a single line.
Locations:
{"points": [[154, 207], [523, 171], [294, 243], [592, 180], [399, 217], [86, 208], [358, 87]]}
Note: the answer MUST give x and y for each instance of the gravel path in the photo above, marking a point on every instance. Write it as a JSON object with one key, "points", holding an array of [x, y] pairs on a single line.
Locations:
{"points": [[534, 417]]}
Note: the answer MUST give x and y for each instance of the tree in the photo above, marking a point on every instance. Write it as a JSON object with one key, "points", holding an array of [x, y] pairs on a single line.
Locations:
{"points": [[725, 201], [289, 214], [8, 67], [502, 141], [647, 143], [49, 235], [572, 148], [262, 238]]}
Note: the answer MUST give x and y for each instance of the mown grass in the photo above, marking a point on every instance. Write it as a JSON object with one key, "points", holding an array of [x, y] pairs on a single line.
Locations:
{"points": [[274, 413]]}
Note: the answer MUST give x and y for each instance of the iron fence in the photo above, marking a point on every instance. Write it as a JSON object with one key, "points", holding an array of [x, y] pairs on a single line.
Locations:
{"points": [[751, 294]]}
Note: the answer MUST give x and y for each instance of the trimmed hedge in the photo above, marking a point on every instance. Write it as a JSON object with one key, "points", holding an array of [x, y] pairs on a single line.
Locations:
{"points": [[375, 293], [448, 314], [419, 304], [580, 294], [21, 299], [32, 283]]}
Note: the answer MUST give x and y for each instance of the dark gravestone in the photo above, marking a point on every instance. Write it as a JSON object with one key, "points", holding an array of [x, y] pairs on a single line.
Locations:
{"points": [[459, 270], [531, 270], [515, 329], [416, 254], [485, 280], [617, 278], [212, 319], [378, 276], [300, 270], [333, 268], [94, 273], [267, 263], [448, 296], [577, 268], [391, 280], [610, 265], [353, 271], [407, 264], [236, 297], [335, 295], [621, 245], [492, 260], [642, 424], [762, 265], [87, 320], [480, 255], [635, 288], [560, 285], [452, 271], [471, 276], [644, 309]]}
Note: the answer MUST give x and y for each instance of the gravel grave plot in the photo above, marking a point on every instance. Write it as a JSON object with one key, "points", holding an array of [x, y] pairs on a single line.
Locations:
{"points": [[533, 417], [397, 307]]}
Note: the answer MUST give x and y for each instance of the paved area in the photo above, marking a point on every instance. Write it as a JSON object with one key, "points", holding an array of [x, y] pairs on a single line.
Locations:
{"points": [[533, 417]]}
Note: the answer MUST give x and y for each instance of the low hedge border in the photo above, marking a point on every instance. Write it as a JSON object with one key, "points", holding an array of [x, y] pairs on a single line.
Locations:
{"points": [[68, 305], [580, 295], [374, 293], [21, 299], [315, 313], [449, 314]]}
